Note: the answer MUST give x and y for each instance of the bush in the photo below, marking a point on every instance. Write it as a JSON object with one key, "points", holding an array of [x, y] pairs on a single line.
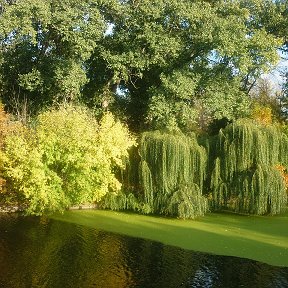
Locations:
{"points": [[6, 127], [66, 159]]}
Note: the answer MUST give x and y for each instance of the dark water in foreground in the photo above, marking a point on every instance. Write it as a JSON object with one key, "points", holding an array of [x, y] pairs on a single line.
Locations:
{"points": [[38, 252]]}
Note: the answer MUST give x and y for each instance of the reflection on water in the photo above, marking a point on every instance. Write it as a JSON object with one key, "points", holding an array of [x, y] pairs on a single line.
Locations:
{"points": [[37, 252]]}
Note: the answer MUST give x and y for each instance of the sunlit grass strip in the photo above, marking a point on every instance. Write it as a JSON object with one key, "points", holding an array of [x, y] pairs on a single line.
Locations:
{"points": [[260, 238]]}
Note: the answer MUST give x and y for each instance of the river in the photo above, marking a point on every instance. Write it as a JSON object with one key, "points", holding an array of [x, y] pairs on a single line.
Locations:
{"points": [[43, 252]]}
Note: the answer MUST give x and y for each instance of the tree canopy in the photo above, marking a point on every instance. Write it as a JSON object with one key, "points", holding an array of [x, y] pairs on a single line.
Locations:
{"points": [[175, 64], [44, 45]]}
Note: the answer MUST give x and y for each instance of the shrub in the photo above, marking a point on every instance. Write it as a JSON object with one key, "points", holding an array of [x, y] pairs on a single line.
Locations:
{"points": [[6, 127], [66, 159]]}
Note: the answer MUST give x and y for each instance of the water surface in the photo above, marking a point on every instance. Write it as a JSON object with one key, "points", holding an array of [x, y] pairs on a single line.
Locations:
{"points": [[260, 238], [41, 252]]}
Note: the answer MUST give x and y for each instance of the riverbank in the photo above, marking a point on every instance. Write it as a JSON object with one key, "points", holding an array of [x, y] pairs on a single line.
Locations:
{"points": [[10, 209], [15, 208], [261, 238]]}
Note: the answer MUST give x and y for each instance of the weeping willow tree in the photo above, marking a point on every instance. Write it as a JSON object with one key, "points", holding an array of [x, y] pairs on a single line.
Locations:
{"points": [[120, 201], [172, 173], [245, 176]]}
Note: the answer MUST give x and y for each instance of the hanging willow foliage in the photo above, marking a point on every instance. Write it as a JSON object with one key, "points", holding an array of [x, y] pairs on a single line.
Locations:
{"points": [[244, 177], [172, 173], [120, 201]]}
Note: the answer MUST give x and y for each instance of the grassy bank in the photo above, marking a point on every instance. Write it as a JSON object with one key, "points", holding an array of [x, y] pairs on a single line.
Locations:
{"points": [[259, 238]]}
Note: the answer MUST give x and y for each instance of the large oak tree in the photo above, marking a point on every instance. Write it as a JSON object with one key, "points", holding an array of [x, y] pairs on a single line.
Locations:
{"points": [[175, 64]]}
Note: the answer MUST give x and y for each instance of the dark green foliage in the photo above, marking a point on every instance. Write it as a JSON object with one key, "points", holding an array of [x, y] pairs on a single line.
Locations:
{"points": [[244, 177], [242, 172], [215, 126], [129, 176], [43, 46], [180, 61], [187, 202], [172, 171]]}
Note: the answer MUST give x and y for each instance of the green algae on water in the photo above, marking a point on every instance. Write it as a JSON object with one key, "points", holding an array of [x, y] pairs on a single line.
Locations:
{"points": [[260, 238]]}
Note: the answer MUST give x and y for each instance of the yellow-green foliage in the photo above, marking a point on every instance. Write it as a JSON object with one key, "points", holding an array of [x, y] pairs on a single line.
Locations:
{"points": [[245, 177], [67, 159], [6, 127], [26, 174], [172, 171], [262, 114], [3, 125]]}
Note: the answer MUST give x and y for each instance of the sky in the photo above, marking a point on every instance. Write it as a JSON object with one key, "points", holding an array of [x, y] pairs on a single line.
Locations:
{"points": [[275, 76]]}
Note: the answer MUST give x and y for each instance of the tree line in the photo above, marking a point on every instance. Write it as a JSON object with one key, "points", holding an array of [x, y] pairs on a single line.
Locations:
{"points": [[177, 66]]}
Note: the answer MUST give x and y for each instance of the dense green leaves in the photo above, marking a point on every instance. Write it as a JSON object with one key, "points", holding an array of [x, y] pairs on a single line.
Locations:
{"points": [[245, 175], [178, 55], [172, 172], [43, 47], [67, 159], [176, 66], [191, 46]]}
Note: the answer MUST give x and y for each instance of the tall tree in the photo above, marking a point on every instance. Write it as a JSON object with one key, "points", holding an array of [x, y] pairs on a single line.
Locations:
{"points": [[43, 47], [169, 58], [171, 63], [274, 16], [284, 99]]}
